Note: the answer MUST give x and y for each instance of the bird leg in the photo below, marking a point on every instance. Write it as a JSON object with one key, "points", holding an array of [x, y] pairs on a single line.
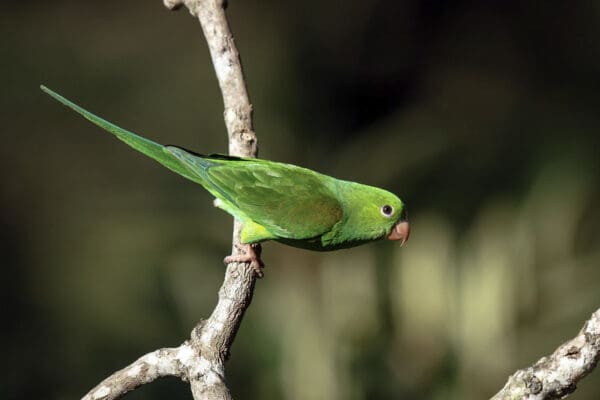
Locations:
{"points": [[252, 255]]}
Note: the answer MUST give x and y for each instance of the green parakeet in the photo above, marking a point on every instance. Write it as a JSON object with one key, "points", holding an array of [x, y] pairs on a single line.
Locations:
{"points": [[276, 201]]}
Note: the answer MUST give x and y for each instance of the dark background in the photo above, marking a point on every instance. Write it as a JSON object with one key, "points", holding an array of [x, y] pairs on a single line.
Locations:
{"points": [[482, 116]]}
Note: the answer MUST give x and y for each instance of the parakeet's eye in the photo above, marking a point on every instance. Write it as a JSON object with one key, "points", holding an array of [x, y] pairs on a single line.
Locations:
{"points": [[387, 210]]}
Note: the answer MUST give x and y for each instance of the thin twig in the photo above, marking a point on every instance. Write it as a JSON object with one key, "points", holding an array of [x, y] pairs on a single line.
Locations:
{"points": [[556, 376], [164, 362]]}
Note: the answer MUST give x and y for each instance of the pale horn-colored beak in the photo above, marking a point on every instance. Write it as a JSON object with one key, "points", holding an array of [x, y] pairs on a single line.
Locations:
{"points": [[400, 231]]}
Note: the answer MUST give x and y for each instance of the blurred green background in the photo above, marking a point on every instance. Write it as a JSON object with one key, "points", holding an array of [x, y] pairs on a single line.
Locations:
{"points": [[482, 116]]}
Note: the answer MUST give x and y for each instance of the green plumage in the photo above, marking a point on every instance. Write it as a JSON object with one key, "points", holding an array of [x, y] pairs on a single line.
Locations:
{"points": [[276, 201]]}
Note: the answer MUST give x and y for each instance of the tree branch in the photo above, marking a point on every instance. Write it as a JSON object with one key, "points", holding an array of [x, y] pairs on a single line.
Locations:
{"points": [[213, 337], [556, 376], [201, 360]]}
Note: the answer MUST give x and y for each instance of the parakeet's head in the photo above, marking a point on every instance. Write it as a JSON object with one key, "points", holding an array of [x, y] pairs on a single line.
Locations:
{"points": [[372, 213], [393, 216]]}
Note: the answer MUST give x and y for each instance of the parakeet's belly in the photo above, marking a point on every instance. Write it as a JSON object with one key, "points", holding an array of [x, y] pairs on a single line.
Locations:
{"points": [[317, 244]]}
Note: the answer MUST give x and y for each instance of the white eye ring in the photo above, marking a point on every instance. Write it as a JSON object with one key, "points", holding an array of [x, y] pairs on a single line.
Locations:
{"points": [[387, 210]]}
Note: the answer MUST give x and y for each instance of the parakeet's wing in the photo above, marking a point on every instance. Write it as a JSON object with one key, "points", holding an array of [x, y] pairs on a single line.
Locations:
{"points": [[289, 201], [143, 145]]}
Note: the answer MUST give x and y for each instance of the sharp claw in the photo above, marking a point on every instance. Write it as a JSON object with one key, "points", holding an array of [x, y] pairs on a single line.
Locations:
{"points": [[258, 269]]}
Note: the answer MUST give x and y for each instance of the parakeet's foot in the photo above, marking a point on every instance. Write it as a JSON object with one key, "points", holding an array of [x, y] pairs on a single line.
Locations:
{"points": [[252, 256]]}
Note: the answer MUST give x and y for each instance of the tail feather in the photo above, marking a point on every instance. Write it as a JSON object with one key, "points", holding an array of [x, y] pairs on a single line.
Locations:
{"points": [[152, 149]]}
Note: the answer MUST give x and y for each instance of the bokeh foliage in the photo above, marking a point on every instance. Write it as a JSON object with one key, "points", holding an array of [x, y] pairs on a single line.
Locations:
{"points": [[482, 116]]}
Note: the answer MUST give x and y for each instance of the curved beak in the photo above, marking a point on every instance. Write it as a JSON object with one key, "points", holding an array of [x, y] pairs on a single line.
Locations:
{"points": [[400, 231]]}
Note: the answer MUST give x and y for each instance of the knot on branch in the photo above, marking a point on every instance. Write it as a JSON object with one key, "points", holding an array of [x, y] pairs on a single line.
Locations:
{"points": [[533, 384], [192, 5], [244, 144], [173, 4], [197, 332]]}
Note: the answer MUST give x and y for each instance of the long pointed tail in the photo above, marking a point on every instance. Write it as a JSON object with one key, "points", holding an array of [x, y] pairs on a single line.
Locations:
{"points": [[153, 150]]}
